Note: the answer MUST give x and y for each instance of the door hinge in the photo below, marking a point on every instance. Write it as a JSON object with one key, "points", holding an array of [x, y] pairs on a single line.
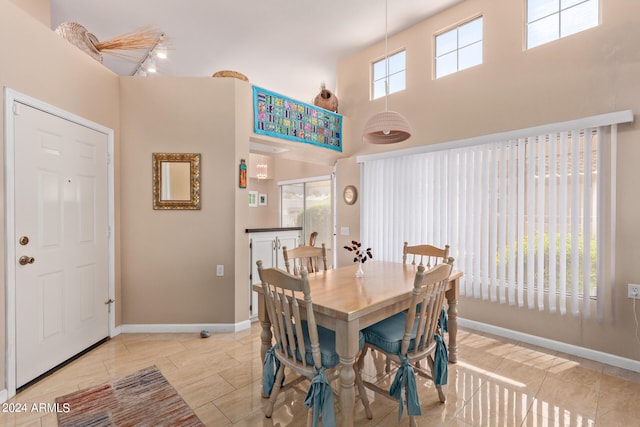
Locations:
{"points": [[16, 109], [108, 158]]}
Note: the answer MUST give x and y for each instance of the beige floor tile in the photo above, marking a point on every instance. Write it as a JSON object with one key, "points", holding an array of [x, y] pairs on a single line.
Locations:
{"points": [[618, 402], [210, 415], [205, 390], [571, 398], [497, 382], [236, 404]]}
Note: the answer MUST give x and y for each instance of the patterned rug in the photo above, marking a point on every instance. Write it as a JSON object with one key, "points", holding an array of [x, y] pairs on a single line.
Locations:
{"points": [[144, 398]]}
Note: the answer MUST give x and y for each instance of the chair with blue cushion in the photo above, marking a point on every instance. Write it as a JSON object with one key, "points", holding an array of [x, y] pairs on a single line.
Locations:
{"points": [[411, 336], [290, 309], [426, 255]]}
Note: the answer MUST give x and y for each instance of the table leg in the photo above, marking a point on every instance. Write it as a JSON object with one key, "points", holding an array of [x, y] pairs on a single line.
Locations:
{"points": [[347, 347], [452, 321], [266, 335]]}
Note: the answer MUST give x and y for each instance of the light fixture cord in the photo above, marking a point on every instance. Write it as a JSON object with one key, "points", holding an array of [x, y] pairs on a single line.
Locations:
{"points": [[386, 54]]}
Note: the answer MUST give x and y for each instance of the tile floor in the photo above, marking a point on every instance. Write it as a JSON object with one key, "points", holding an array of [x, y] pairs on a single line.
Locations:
{"points": [[497, 382]]}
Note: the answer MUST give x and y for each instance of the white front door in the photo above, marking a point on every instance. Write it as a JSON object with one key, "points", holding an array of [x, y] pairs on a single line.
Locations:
{"points": [[61, 240]]}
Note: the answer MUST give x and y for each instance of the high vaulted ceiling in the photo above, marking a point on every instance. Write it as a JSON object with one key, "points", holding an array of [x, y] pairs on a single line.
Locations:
{"points": [[288, 46]]}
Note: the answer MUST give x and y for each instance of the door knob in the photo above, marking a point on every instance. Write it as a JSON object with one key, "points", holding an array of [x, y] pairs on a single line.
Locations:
{"points": [[24, 260]]}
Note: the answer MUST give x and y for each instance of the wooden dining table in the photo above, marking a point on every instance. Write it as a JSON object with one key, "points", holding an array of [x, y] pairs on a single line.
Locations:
{"points": [[346, 304]]}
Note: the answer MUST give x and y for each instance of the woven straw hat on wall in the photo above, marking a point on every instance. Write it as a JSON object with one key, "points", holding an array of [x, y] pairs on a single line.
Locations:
{"points": [[78, 35]]}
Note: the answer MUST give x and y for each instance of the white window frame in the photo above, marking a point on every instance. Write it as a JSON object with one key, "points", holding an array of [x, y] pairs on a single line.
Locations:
{"points": [[560, 12], [386, 75], [458, 47]]}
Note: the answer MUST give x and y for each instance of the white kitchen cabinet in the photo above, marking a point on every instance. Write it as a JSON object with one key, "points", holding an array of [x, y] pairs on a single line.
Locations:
{"points": [[266, 245]]}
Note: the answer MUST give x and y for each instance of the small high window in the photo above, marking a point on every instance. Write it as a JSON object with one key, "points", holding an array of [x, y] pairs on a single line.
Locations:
{"points": [[459, 48], [395, 73], [549, 20]]}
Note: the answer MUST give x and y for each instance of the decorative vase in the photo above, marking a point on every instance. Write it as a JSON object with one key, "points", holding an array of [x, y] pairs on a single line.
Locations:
{"points": [[360, 271]]}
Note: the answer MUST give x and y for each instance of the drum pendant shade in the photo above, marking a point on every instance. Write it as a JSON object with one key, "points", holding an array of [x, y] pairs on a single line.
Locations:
{"points": [[387, 127]]}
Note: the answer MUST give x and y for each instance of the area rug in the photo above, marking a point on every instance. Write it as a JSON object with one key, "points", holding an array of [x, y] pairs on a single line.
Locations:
{"points": [[144, 398]]}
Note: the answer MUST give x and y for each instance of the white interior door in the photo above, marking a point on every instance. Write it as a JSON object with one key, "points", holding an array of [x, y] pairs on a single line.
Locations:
{"points": [[61, 240]]}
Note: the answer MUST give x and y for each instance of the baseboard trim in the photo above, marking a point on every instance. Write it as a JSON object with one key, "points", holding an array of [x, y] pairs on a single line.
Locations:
{"points": [[4, 395], [185, 328], [586, 353]]}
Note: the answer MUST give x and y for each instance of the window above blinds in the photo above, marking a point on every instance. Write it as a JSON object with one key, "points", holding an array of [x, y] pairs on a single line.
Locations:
{"points": [[459, 48], [391, 72], [549, 20]]}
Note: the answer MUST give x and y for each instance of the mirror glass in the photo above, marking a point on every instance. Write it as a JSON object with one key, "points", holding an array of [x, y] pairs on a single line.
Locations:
{"points": [[176, 181]]}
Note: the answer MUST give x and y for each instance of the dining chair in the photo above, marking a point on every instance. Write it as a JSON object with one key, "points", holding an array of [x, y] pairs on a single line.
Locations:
{"points": [[305, 256], [312, 357], [426, 255], [411, 336]]}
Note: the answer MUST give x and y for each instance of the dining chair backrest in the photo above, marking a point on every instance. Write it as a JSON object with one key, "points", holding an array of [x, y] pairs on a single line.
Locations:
{"points": [[281, 293], [308, 257], [426, 305], [426, 255]]}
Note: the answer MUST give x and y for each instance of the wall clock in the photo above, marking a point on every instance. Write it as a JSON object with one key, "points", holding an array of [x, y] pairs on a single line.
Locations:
{"points": [[350, 194]]}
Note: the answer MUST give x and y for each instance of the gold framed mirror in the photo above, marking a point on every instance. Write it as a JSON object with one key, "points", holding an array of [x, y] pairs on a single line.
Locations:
{"points": [[176, 180]]}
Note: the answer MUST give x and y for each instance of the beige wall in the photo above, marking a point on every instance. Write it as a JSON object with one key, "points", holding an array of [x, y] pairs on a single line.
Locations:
{"points": [[40, 64], [169, 258], [585, 74], [39, 9]]}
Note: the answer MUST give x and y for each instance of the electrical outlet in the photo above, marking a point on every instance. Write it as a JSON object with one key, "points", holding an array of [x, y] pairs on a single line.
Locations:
{"points": [[634, 291], [219, 270]]}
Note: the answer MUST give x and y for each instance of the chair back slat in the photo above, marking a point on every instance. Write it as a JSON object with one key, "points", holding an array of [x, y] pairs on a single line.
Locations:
{"points": [[428, 294], [426, 255], [281, 331], [282, 291], [288, 324], [295, 308], [309, 257]]}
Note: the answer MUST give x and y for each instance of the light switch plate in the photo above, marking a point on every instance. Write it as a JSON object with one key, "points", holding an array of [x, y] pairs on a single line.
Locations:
{"points": [[344, 231], [219, 270]]}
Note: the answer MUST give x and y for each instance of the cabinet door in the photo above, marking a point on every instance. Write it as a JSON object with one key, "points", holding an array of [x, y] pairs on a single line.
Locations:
{"points": [[262, 248], [288, 239]]}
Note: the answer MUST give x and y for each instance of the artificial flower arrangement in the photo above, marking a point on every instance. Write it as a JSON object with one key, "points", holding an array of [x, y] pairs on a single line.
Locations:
{"points": [[361, 255]]}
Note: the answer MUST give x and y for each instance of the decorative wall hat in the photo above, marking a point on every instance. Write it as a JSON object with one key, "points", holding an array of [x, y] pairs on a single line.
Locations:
{"points": [[144, 39]]}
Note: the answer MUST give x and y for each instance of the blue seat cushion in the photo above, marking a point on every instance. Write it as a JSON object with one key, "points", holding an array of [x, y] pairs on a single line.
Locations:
{"points": [[387, 334], [327, 341]]}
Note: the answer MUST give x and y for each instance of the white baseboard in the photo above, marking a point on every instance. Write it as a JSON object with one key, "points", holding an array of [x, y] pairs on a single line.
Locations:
{"points": [[4, 395], [586, 353], [185, 328]]}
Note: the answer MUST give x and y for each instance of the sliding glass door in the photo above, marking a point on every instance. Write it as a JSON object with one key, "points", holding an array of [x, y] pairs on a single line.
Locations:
{"points": [[308, 204]]}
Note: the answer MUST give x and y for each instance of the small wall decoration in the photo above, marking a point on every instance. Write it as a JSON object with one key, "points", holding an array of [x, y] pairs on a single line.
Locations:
{"points": [[282, 117], [243, 174], [253, 199], [262, 199]]}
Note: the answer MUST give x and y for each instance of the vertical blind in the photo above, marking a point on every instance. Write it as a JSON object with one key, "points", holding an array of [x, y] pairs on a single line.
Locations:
{"points": [[520, 214]]}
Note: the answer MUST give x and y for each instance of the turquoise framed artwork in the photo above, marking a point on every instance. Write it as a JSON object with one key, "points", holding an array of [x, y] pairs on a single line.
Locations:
{"points": [[282, 117]]}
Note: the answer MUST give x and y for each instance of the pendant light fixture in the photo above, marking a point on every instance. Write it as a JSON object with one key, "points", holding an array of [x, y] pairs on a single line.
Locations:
{"points": [[387, 127]]}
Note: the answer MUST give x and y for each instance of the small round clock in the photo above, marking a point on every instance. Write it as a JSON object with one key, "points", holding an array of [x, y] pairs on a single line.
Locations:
{"points": [[350, 194]]}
